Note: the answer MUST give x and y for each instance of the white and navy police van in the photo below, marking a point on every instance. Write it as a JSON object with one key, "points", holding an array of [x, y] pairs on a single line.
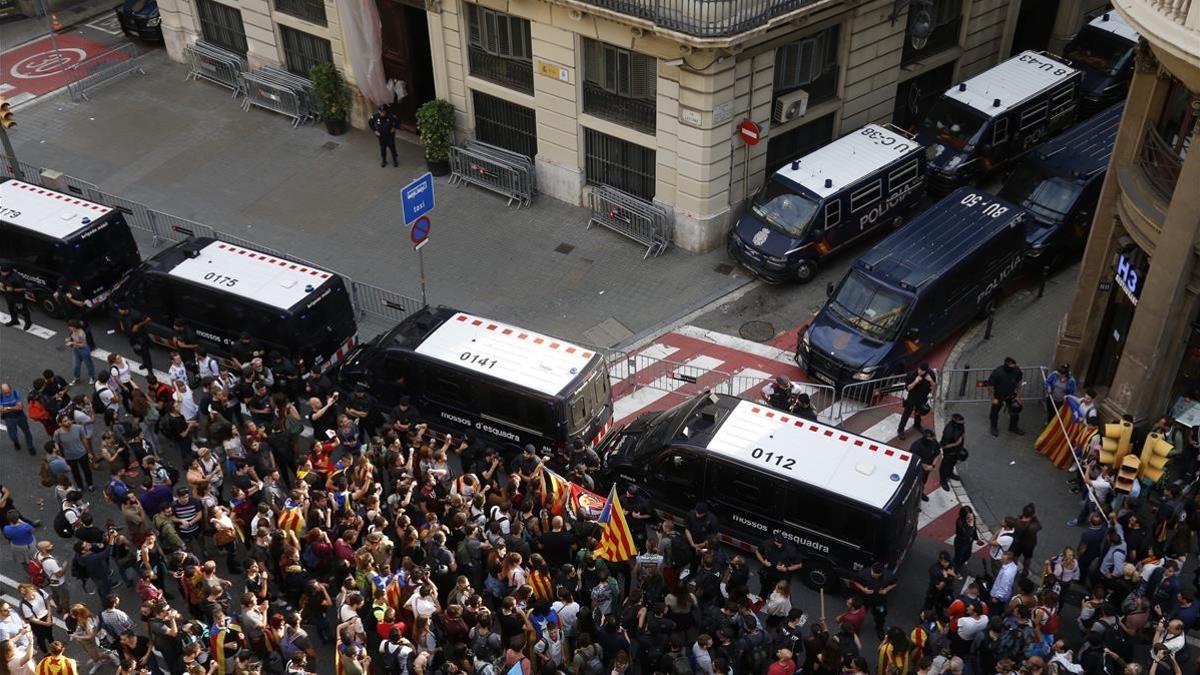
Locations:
{"points": [[844, 500], [469, 374], [827, 199], [982, 124], [1103, 50], [53, 239], [222, 290]]}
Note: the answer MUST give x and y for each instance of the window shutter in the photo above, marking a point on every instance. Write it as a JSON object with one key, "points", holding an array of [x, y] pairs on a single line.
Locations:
{"points": [[644, 76], [491, 38], [610, 68], [785, 66], [473, 25], [623, 74], [593, 62]]}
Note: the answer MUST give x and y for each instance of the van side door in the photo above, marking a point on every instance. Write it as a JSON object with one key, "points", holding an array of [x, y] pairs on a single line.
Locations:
{"points": [[746, 501], [675, 477], [865, 199], [209, 314]]}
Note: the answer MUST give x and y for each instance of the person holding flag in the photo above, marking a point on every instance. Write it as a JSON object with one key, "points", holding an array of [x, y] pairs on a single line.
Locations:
{"points": [[55, 663], [291, 518], [616, 540]]}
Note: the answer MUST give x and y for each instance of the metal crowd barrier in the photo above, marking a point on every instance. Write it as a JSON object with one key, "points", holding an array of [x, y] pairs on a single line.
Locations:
{"points": [[970, 385], [640, 220], [508, 173], [265, 91], [380, 302], [217, 65], [108, 66], [302, 86]]}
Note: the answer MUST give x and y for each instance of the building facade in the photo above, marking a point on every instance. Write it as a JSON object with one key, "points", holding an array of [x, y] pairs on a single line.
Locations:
{"points": [[1134, 325], [647, 95]]}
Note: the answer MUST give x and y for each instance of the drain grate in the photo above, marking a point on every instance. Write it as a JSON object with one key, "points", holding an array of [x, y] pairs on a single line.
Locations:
{"points": [[564, 249], [757, 331], [330, 145], [723, 268]]}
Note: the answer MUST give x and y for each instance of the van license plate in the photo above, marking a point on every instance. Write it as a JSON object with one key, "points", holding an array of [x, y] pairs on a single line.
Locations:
{"points": [[822, 377]]}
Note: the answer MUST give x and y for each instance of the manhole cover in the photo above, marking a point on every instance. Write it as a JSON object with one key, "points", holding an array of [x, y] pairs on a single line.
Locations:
{"points": [[330, 145], [758, 331], [723, 268], [564, 248]]}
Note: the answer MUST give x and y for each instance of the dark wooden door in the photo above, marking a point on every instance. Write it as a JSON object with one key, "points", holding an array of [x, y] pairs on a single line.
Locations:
{"points": [[406, 57]]}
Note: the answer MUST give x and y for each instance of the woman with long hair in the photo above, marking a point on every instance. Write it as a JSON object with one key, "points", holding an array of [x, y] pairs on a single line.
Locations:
{"points": [[17, 660], [966, 537]]}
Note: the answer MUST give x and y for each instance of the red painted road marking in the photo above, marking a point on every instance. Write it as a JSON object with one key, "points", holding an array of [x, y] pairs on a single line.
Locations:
{"points": [[35, 68]]}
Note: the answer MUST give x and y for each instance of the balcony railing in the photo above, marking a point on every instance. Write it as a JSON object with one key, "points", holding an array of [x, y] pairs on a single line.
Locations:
{"points": [[312, 11], [1160, 164], [631, 112], [512, 73], [704, 18], [1175, 10]]}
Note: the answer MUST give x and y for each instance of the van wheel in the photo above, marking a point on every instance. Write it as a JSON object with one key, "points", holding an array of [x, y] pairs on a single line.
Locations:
{"points": [[806, 270], [897, 222], [49, 305], [819, 575]]}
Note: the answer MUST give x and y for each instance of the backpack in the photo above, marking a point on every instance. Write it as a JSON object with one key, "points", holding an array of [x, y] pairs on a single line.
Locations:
{"points": [[46, 474], [680, 663], [757, 658], [1013, 642], [98, 402], [62, 526], [37, 573], [592, 664], [397, 661], [310, 558]]}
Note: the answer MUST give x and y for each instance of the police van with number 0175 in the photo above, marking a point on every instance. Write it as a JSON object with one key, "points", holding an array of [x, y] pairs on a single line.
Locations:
{"points": [[827, 199], [982, 124], [469, 374], [844, 500], [52, 239], [914, 289], [221, 290], [1103, 50]]}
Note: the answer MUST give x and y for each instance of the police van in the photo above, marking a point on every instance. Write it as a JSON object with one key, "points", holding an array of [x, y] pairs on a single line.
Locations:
{"points": [[52, 239], [1059, 183], [468, 373], [915, 288], [222, 290], [828, 199], [986, 122], [844, 500], [1103, 50]]}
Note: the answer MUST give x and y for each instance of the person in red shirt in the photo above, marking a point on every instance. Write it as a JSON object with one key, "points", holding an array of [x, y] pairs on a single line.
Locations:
{"points": [[784, 663], [855, 614]]}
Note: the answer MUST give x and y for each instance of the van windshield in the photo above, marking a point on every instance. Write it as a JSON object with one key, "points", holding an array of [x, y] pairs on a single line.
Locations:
{"points": [[103, 255], [953, 124], [1098, 50], [1032, 189], [874, 309], [328, 323], [589, 400], [783, 209]]}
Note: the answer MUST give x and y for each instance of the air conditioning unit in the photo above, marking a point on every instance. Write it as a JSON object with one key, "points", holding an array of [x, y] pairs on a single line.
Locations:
{"points": [[791, 105]]}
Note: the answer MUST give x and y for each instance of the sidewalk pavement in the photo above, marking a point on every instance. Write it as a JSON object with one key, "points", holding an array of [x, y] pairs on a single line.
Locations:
{"points": [[17, 31], [1005, 473], [188, 149]]}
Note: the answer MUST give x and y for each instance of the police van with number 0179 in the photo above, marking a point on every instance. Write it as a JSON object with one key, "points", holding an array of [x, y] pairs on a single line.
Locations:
{"points": [[844, 500], [827, 199], [470, 374], [1103, 50], [52, 239], [221, 290], [914, 289], [982, 124]]}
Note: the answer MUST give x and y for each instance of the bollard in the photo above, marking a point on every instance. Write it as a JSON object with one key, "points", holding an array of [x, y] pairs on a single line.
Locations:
{"points": [[987, 331], [1042, 281], [962, 386]]}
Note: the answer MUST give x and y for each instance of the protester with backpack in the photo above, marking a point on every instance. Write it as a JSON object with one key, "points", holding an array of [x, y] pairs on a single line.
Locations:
{"points": [[53, 575]]}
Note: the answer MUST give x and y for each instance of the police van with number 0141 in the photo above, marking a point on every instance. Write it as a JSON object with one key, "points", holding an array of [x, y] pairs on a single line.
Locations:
{"points": [[827, 199], [845, 501], [485, 378], [221, 291], [52, 239], [982, 124], [1103, 50], [915, 288]]}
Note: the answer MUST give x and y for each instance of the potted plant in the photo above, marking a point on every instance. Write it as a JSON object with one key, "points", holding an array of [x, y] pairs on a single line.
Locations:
{"points": [[435, 123], [333, 97]]}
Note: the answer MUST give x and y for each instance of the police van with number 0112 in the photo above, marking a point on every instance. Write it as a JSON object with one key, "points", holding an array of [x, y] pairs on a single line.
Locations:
{"points": [[845, 501], [221, 290], [982, 124], [52, 239], [827, 199], [488, 379], [1103, 50], [914, 289]]}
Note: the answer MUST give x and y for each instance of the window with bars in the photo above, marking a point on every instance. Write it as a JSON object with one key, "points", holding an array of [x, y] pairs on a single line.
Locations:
{"points": [[506, 124], [619, 85], [221, 25], [500, 48], [945, 19], [809, 64], [302, 51], [312, 11], [621, 164], [783, 148]]}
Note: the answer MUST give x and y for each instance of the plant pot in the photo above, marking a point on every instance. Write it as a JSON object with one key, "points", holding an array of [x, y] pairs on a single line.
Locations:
{"points": [[438, 167], [336, 127]]}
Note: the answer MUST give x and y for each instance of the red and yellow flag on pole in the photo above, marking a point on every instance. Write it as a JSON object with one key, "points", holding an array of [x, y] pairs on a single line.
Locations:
{"points": [[556, 491], [616, 540]]}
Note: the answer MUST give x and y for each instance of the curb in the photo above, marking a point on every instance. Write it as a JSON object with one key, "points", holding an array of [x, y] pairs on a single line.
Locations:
{"points": [[680, 318]]}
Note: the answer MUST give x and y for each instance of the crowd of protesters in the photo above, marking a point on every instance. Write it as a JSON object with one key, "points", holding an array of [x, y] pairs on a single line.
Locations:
{"points": [[269, 524]]}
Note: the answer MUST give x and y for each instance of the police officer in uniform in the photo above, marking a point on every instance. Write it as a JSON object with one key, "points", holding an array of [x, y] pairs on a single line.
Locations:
{"points": [[1005, 383], [14, 289], [384, 124], [132, 323], [778, 558], [779, 394]]}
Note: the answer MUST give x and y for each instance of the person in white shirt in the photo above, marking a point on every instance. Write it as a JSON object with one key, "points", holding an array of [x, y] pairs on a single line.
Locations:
{"points": [[177, 370], [1170, 635], [56, 575], [13, 627], [1002, 587], [568, 612], [107, 393], [971, 624], [206, 365], [1001, 542]]}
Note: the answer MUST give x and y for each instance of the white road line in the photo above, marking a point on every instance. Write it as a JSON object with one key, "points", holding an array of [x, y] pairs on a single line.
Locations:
{"points": [[662, 386], [658, 350], [102, 356], [5, 88], [633, 365], [940, 501], [21, 98], [738, 343], [884, 430], [35, 329]]}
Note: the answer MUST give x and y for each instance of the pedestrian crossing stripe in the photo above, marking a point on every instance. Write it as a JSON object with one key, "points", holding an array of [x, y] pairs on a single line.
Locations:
{"points": [[35, 329]]}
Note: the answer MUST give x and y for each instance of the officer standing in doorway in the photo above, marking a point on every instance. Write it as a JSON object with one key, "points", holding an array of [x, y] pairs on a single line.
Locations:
{"points": [[384, 124]]}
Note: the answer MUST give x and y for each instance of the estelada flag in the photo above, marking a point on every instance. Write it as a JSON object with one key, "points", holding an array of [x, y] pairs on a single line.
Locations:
{"points": [[57, 665], [393, 593], [292, 520], [556, 491], [616, 541], [1058, 446]]}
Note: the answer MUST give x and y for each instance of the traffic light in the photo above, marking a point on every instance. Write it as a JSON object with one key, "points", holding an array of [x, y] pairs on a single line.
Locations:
{"points": [[1115, 444], [6, 115], [1127, 474], [1154, 457]]}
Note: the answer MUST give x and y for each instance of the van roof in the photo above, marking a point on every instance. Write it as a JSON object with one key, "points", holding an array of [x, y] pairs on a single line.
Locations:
{"points": [[1084, 149], [525, 358], [1012, 82], [848, 159], [240, 271], [1113, 22], [47, 212], [826, 457], [939, 238]]}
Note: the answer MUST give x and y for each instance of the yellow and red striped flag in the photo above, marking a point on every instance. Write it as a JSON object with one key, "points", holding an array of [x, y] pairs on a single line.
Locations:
{"points": [[57, 665], [616, 541], [555, 492], [292, 520], [394, 594]]}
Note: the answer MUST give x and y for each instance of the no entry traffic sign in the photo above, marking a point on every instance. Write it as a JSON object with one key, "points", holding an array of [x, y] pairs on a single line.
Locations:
{"points": [[750, 132], [419, 234]]}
